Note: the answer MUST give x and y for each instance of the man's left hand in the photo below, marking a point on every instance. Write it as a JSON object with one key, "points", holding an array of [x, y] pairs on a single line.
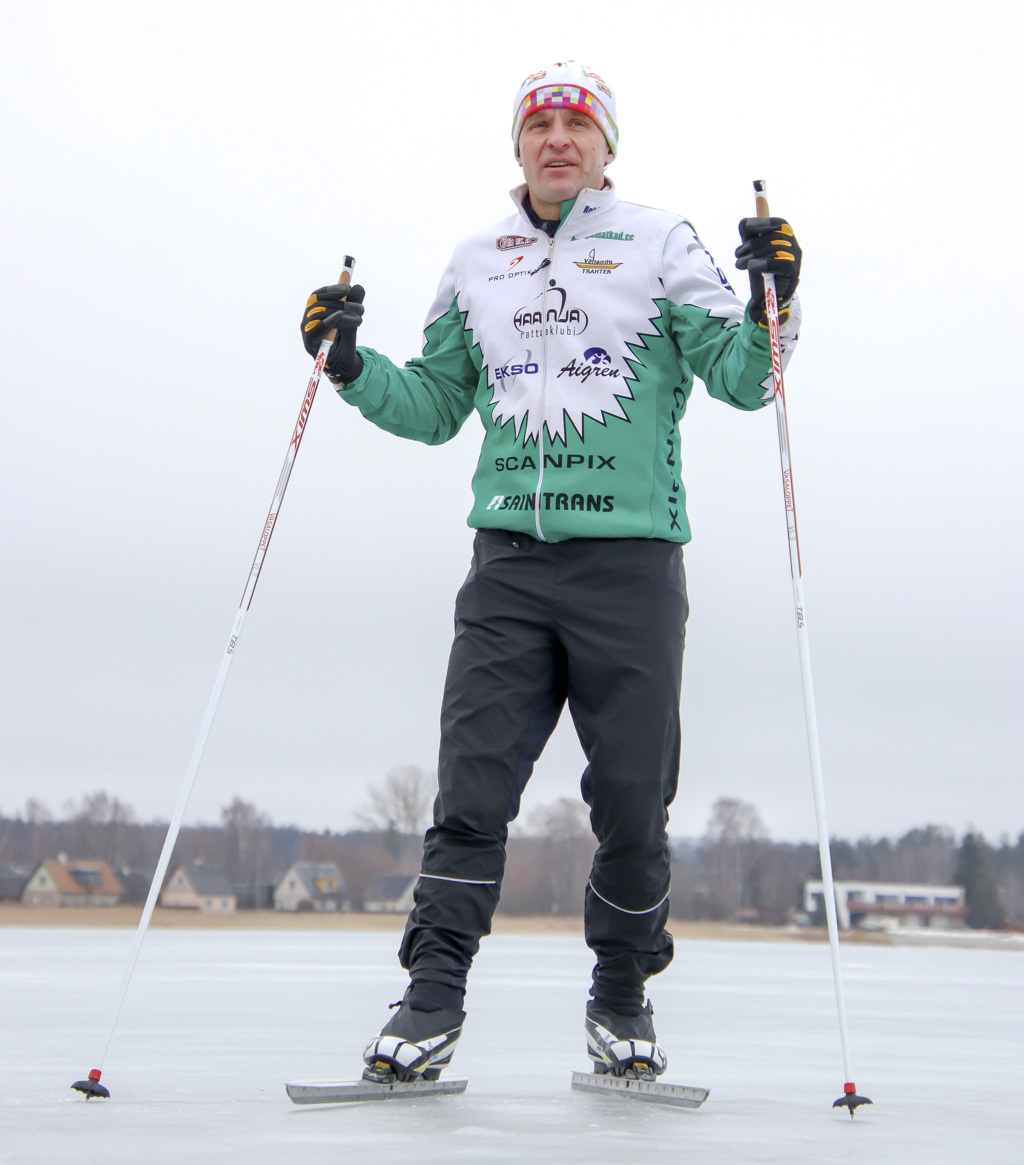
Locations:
{"points": [[339, 307], [768, 247]]}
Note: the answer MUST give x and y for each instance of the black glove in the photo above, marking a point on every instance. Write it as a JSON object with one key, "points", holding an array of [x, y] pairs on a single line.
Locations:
{"points": [[769, 245], [339, 305]]}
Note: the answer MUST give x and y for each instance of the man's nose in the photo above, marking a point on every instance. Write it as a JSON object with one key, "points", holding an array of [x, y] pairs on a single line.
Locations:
{"points": [[559, 135]]}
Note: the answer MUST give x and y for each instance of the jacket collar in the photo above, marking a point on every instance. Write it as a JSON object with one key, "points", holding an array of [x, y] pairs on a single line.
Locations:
{"points": [[590, 205]]}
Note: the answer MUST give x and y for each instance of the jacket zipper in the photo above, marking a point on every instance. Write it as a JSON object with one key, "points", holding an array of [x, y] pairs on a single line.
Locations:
{"points": [[543, 398]]}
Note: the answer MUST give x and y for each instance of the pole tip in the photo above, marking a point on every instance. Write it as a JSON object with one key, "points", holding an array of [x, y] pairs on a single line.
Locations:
{"points": [[92, 1086], [850, 1099]]}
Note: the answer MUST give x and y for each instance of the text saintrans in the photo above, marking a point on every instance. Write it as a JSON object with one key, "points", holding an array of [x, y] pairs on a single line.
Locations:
{"points": [[592, 503]]}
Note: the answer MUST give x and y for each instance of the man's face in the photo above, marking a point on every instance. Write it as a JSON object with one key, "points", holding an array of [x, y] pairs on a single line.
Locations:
{"points": [[561, 152]]}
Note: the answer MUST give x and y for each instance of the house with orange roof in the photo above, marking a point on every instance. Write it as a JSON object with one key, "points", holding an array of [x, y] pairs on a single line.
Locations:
{"points": [[59, 882]]}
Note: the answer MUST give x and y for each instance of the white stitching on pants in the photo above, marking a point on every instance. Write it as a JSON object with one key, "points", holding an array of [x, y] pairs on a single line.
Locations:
{"points": [[622, 908], [462, 881]]}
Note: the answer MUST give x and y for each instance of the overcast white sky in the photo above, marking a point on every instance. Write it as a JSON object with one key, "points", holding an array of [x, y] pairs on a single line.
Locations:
{"points": [[177, 177]]}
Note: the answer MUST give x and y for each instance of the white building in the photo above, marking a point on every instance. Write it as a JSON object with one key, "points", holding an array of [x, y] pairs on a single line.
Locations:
{"points": [[199, 888], [316, 886], [888, 905], [390, 894]]}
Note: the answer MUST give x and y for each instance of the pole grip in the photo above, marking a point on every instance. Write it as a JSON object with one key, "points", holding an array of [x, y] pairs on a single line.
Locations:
{"points": [[344, 277], [761, 199]]}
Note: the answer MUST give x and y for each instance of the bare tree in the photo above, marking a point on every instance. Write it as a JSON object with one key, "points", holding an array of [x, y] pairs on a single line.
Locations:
{"points": [[246, 845], [567, 851], [101, 829], [120, 834], [733, 842], [398, 809], [36, 813], [1009, 863], [925, 855], [400, 802], [8, 844]]}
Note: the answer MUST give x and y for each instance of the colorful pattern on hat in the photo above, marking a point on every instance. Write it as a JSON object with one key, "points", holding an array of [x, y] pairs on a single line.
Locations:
{"points": [[567, 85]]}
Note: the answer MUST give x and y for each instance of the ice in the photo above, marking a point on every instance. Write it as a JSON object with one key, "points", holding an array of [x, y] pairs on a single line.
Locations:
{"points": [[216, 1021]]}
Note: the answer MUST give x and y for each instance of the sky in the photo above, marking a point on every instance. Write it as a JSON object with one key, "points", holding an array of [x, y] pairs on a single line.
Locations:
{"points": [[177, 178]]}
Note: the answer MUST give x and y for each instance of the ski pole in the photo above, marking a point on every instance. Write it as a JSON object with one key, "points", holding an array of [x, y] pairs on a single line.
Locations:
{"points": [[849, 1099], [91, 1086]]}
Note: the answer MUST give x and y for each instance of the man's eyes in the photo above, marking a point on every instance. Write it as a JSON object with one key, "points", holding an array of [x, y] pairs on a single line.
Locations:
{"points": [[541, 123]]}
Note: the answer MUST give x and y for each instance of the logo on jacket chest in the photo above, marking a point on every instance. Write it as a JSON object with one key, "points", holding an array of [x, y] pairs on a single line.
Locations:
{"points": [[592, 265], [514, 269], [551, 313], [514, 242], [595, 362]]}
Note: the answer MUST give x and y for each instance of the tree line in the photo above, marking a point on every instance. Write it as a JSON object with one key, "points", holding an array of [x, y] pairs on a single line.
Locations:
{"points": [[733, 872]]}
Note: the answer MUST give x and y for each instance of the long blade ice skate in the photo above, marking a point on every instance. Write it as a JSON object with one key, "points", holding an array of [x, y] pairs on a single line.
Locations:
{"points": [[678, 1095], [350, 1091]]}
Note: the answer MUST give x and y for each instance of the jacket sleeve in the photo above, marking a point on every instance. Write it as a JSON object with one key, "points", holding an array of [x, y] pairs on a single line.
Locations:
{"points": [[718, 339], [430, 397]]}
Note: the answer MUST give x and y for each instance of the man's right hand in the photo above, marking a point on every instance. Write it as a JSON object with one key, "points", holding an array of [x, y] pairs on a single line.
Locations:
{"points": [[337, 306]]}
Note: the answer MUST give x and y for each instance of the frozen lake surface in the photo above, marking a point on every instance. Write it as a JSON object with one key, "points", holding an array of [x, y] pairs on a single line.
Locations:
{"points": [[216, 1021]]}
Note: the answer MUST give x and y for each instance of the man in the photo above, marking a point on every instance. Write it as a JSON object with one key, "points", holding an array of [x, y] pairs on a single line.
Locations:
{"points": [[574, 328]]}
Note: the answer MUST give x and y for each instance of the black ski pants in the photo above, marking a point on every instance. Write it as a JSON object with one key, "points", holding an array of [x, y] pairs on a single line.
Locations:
{"points": [[597, 623]]}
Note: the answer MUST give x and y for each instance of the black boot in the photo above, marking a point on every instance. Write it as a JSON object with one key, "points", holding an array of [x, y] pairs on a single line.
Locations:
{"points": [[413, 1044], [624, 1045]]}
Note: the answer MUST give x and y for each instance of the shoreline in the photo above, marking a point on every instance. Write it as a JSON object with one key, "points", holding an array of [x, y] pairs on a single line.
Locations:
{"points": [[13, 914]]}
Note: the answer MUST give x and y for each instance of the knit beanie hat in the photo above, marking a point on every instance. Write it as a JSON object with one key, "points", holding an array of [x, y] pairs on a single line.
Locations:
{"points": [[567, 85]]}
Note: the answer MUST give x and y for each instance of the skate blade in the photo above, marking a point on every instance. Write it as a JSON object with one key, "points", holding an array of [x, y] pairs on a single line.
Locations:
{"points": [[651, 1090], [349, 1091]]}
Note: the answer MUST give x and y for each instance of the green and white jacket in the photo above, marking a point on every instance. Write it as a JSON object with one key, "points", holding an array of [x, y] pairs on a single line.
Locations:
{"points": [[578, 352]]}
